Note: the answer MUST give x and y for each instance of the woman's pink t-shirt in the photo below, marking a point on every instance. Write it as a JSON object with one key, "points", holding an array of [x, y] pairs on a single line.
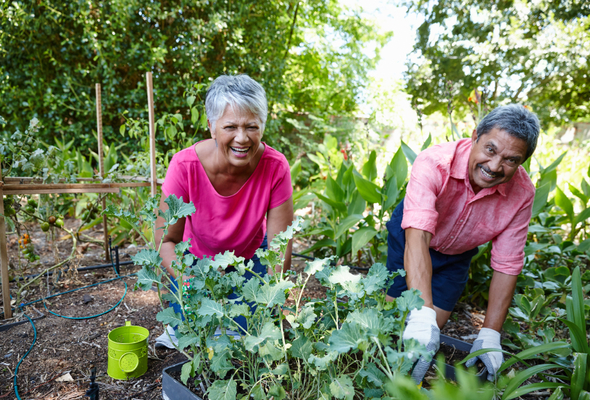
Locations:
{"points": [[237, 222]]}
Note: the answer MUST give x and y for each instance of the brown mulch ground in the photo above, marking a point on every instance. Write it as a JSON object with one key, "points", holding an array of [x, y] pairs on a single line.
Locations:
{"points": [[74, 347]]}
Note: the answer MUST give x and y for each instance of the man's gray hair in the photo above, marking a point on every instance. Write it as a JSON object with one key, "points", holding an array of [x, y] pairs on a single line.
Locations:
{"points": [[239, 91], [517, 121]]}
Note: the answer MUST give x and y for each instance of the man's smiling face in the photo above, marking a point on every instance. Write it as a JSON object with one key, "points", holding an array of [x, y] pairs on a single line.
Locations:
{"points": [[494, 158]]}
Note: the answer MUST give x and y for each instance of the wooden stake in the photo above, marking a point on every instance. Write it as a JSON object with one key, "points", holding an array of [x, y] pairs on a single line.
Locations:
{"points": [[105, 227], [4, 257], [150, 94]]}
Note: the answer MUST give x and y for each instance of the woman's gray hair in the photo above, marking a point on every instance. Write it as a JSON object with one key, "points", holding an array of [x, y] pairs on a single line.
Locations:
{"points": [[517, 121], [239, 91]]}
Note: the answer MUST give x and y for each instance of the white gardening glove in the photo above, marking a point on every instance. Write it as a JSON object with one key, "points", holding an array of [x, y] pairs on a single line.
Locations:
{"points": [[421, 326], [488, 339]]}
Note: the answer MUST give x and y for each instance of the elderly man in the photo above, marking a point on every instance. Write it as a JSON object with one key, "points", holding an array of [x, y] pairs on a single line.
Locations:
{"points": [[462, 195]]}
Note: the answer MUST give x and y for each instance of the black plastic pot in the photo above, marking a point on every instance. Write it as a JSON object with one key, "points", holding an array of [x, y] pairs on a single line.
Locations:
{"points": [[173, 389], [450, 372]]}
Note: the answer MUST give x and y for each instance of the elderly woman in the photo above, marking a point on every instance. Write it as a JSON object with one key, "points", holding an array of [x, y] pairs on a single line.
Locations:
{"points": [[240, 186]]}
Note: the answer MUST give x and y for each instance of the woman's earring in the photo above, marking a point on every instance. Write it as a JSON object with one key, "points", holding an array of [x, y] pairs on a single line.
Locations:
{"points": [[215, 142]]}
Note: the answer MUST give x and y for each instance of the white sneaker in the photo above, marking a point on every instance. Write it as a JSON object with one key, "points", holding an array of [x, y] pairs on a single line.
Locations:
{"points": [[164, 341]]}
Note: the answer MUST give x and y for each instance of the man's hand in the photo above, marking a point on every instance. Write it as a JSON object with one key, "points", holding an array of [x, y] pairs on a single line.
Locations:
{"points": [[488, 339], [422, 327]]}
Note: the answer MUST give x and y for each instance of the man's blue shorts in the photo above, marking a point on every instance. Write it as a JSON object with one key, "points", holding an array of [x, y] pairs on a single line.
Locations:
{"points": [[449, 272], [258, 268]]}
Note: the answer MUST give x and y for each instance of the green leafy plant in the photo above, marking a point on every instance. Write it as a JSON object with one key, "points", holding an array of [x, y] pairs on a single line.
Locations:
{"points": [[346, 345], [347, 226]]}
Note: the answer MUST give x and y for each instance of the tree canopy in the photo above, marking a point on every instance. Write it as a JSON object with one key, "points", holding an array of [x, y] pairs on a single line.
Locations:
{"points": [[536, 53], [307, 55]]}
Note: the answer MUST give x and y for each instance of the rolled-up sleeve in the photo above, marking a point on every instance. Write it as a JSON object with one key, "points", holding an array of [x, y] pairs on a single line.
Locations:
{"points": [[426, 181], [508, 247]]}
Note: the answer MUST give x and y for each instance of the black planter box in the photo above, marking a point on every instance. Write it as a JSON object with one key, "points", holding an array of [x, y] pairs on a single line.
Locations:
{"points": [[450, 372], [173, 389]]}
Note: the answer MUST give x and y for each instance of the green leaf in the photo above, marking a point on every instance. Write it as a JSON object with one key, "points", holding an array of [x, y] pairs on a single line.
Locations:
{"points": [[554, 164], [392, 192], [273, 295], [190, 100], [579, 374], [187, 341], [532, 352], [270, 352], [221, 362], [301, 348], [347, 338], [336, 205], [316, 265], [210, 307], [564, 203], [510, 391], [583, 216], [584, 246], [409, 300], [320, 244], [177, 209], [146, 278], [427, 142], [541, 195], [578, 194], [361, 237], [373, 374], [334, 191], [223, 390], [575, 312], [557, 395], [149, 258], [370, 167], [376, 279], [399, 168], [369, 319], [169, 317], [408, 152], [186, 372], [346, 224], [251, 290], [295, 171], [533, 387], [368, 190], [257, 392], [277, 392], [357, 204], [341, 276], [269, 332], [342, 388]]}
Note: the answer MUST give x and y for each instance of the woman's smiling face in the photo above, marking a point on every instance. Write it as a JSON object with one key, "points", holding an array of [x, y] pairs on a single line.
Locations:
{"points": [[238, 135], [494, 158]]}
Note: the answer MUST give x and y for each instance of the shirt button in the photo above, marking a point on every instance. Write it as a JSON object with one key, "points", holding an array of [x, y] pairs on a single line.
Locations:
{"points": [[452, 237], [461, 220]]}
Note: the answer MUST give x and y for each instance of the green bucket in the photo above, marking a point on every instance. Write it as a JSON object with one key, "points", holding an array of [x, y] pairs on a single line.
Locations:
{"points": [[128, 351]]}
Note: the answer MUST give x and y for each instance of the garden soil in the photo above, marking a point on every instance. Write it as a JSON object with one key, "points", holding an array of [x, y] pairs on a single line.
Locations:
{"points": [[66, 350]]}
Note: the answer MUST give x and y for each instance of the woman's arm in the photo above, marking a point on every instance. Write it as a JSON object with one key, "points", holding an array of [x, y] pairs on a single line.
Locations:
{"points": [[277, 220], [172, 238]]}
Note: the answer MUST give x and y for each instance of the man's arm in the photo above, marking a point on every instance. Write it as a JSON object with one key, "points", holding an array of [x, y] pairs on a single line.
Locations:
{"points": [[500, 296], [418, 264]]}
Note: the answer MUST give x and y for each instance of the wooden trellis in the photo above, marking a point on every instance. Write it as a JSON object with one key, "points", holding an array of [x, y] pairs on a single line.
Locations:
{"points": [[27, 185]]}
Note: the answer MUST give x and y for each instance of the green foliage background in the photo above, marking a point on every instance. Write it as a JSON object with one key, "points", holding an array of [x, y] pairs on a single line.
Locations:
{"points": [[53, 52], [531, 52]]}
